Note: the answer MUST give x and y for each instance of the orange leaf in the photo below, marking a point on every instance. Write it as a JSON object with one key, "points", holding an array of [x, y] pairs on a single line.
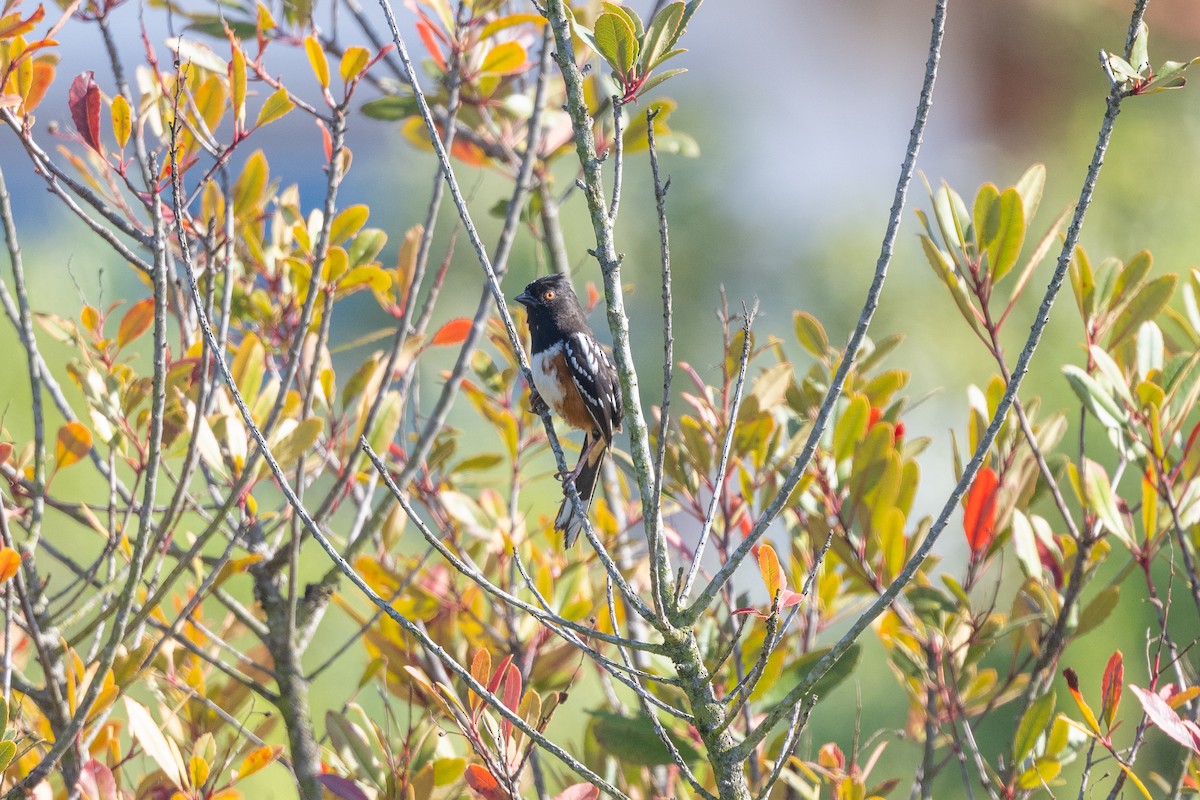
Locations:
{"points": [[135, 322], [13, 25], [74, 442], [43, 76], [481, 670], [258, 759], [772, 571], [453, 332], [483, 783], [979, 518], [10, 560], [6, 449], [1084, 708]]}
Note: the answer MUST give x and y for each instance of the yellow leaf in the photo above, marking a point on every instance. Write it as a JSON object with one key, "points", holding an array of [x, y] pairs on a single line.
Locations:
{"points": [[497, 25], [122, 122], [316, 57], [277, 106], [197, 771], [90, 318], [237, 83], [265, 21], [504, 59], [10, 561], [348, 223], [258, 759], [74, 442], [354, 61]]}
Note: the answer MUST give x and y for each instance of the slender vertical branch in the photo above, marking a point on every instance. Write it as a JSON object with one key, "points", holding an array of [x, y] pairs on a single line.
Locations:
{"points": [[610, 265], [1020, 370], [860, 331]]}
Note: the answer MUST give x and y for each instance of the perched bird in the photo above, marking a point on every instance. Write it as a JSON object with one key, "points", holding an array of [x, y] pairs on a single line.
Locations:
{"points": [[575, 377]]}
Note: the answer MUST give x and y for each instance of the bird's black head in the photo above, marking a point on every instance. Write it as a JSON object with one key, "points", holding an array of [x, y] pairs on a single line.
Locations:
{"points": [[553, 309]]}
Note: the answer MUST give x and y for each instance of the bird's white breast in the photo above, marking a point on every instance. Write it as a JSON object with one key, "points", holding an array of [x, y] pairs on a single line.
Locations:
{"points": [[545, 377]]}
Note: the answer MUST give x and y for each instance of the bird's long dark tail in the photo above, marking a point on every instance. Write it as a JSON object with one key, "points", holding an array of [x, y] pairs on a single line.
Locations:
{"points": [[567, 520]]}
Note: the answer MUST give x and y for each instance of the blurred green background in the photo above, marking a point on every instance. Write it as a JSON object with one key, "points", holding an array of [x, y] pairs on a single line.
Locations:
{"points": [[801, 112]]}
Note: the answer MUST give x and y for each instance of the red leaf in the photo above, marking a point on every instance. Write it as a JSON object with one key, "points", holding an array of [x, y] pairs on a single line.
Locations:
{"points": [[1114, 676], [788, 598], [326, 141], [498, 675], [512, 693], [96, 782], [427, 34], [979, 519], [580, 791], [593, 298], [483, 783], [84, 102], [340, 787], [1165, 719], [453, 332]]}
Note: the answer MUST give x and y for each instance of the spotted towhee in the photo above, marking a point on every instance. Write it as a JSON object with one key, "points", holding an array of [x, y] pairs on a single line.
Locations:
{"points": [[575, 377]]}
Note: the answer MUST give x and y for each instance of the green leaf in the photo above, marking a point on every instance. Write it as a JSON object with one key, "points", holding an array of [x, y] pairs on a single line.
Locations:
{"points": [[1101, 607], [688, 11], [953, 219], [1121, 69], [298, 442], [366, 246], [635, 22], [1099, 496], [1030, 188], [1032, 724], [616, 43], [662, 30], [810, 333], [8, 750], [947, 275], [390, 108], [1025, 545], [1139, 54], [1150, 349], [278, 106], [633, 741], [1143, 307], [1131, 278], [1094, 398], [1114, 378], [1168, 76], [1004, 240], [985, 216], [1083, 284], [850, 427], [1042, 773], [654, 81]]}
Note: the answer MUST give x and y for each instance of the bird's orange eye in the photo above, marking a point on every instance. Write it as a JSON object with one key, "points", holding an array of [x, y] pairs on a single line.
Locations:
{"points": [[548, 296]]}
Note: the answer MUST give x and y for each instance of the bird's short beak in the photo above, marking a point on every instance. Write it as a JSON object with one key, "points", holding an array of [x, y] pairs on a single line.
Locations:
{"points": [[524, 298]]}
